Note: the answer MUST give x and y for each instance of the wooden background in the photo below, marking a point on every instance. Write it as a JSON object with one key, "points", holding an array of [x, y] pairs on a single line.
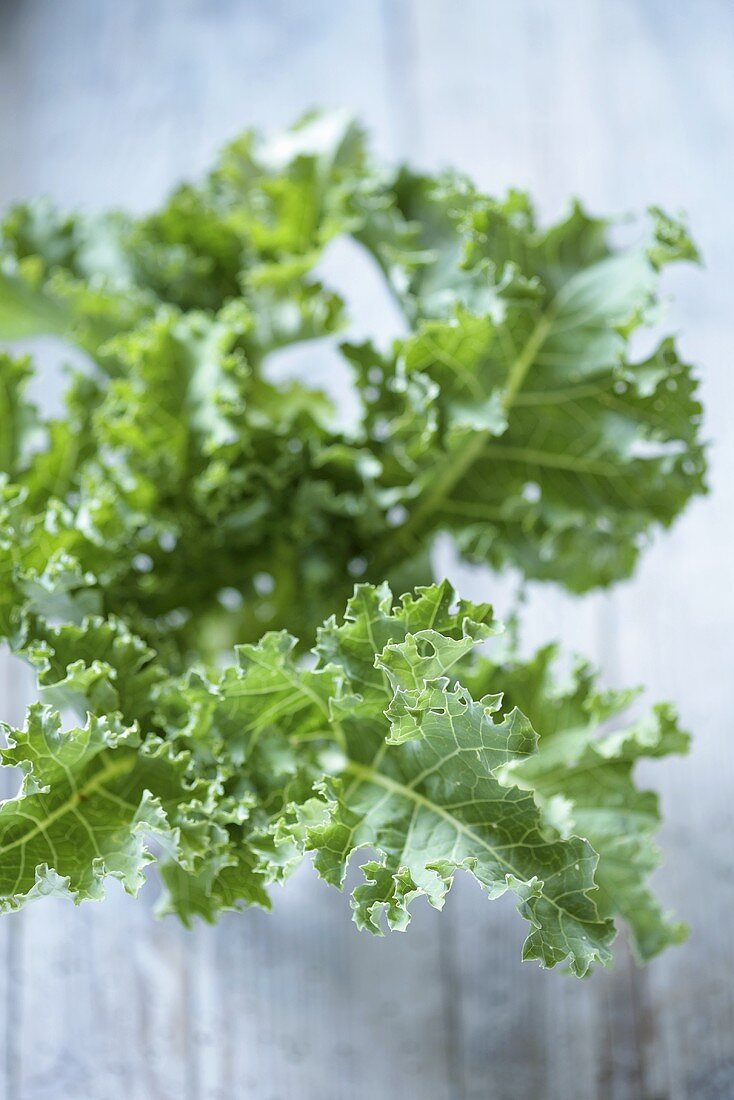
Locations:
{"points": [[623, 102]]}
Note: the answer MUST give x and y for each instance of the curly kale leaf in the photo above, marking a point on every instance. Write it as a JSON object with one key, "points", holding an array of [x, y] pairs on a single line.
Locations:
{"points": [[515, 414], [188, 499], [253, 231], [583, 777], [413, 771], [396, 741], [552, 447]]}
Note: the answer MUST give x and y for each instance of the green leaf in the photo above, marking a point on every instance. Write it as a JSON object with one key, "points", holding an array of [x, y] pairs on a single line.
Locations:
{"points": [[192, 497], [236, 886], [267, 689], [253, 229], [83, 811], [92, 796], [25, 307], [560, 451], [582, 775], [67, 275], [513, 415], [18, 416], [97, 666], [420, 785]]}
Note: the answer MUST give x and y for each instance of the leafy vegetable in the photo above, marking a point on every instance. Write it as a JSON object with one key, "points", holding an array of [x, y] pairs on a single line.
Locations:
{"points": [[582, 779], [187, 501]]}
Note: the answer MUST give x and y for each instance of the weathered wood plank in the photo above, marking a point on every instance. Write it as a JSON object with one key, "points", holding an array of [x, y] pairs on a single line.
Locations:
{"points": [[298, 1000]]}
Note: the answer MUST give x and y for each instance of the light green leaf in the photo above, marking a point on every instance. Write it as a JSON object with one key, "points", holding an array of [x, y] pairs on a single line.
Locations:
{"points": [[583, 777], [420, 785], [18, 417], [193, 497], [560, 451], [83, 811]]}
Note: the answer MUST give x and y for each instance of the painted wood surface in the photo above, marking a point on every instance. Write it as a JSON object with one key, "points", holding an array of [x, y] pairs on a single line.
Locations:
{"points": [[624, 102]]}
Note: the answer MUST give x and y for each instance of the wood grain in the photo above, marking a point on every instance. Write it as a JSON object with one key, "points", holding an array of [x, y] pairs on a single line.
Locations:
{"points": [[624, 102]]}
